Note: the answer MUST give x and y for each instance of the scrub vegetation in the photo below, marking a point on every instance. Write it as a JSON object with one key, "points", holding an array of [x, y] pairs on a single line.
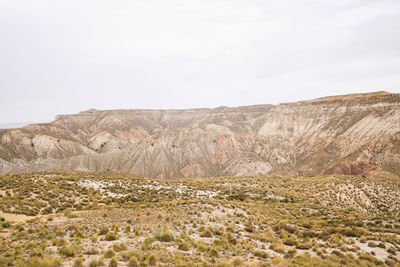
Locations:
{"points": [[107, 219]]}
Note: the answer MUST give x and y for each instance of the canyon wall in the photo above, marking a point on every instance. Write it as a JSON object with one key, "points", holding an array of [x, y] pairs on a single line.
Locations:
{"points": [[361, 131]]}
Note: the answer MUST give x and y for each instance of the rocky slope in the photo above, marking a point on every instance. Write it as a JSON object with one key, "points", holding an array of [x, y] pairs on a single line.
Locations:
{"points": [[362, 130]]}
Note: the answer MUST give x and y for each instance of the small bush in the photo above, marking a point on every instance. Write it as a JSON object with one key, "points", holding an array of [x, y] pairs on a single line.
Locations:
{"points": [[94, 263], [71, 250], [152, 260], [206, 233], [5, 224], [120, 247], [390, 262], [164, 234], [261, 254], [290, 242], [240, 197], [133, 262], [110, 236], [92, 251], [97, 263], [43, 262], [303, 245], [382, 245], [236, 262], [69, 214], [147, 243], [249, 228], [391, 250], [214, 253], [184, 246], [127, 255], [277, 248], [290, 254], [338, 253], [113, 262], [103, 230], [109, 253], [67, 251], [79, 262]]}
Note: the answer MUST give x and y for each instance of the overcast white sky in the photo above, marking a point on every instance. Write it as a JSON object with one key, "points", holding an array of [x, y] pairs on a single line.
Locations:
{"points": [[66, 56]]}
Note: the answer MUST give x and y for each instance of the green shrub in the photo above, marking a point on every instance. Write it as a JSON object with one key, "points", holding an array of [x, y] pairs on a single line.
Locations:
{"points": [[277, 248], [79, 262], [147, 243], [350, 209], [290, 242], [152, 260], [164, 234], [390, 262], [184, 246], [290, 254], [5, 224], [127, 255], [337, 253], [206, 233], [381, 245], [103, 230], [231, 239], [391, 250], [303, 245], [67, 251], [249, 228], [133, 262], [113, 262], [43, 262], [214, 253], [240, 197], [236, 262], [69, 214], [119, 247], [261, 254], [94, 263], [110, 236], [70, 251], [109, 253]]}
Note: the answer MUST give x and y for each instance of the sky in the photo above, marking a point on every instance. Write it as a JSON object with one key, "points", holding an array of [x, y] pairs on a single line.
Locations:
{"points": [[66, 56]]}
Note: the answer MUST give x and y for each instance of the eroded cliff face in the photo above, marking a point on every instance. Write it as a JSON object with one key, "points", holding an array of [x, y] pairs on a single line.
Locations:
{"points": [[286, 139]]}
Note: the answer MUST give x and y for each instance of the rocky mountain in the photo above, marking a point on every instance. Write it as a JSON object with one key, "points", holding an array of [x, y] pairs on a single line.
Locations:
{"points": [[362, 131]]}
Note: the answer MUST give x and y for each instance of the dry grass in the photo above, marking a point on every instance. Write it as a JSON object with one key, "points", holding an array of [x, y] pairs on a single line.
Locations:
{"points": [[227, 221]]}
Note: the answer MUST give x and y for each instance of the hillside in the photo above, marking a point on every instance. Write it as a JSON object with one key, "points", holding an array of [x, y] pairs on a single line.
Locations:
{"points": [[287, 139]]}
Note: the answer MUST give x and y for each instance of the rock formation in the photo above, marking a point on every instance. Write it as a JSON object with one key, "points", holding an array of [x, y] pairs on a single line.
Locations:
{"points": [[286, 139]]}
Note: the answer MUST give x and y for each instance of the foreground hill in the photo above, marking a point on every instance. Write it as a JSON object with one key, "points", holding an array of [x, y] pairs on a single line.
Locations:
{"points": [[362, 131], [87, 219]]}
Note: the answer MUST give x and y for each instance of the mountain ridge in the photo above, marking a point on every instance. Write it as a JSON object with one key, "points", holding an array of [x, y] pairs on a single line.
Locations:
{"points": [[288, 139]]}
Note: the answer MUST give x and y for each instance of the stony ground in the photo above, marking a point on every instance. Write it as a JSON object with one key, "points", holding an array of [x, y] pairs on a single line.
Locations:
{"points": [[86, 219]]}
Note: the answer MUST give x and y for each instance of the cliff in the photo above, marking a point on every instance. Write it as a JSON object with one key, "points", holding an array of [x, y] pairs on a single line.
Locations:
{"points": [[287, 139]]}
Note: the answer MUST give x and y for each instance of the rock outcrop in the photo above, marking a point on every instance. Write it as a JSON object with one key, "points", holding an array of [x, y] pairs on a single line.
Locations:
{"points": [[361, 131]]}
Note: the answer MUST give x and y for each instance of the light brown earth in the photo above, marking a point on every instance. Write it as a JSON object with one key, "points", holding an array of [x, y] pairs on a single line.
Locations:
{"points": [[97, 218], [287, 139]]}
